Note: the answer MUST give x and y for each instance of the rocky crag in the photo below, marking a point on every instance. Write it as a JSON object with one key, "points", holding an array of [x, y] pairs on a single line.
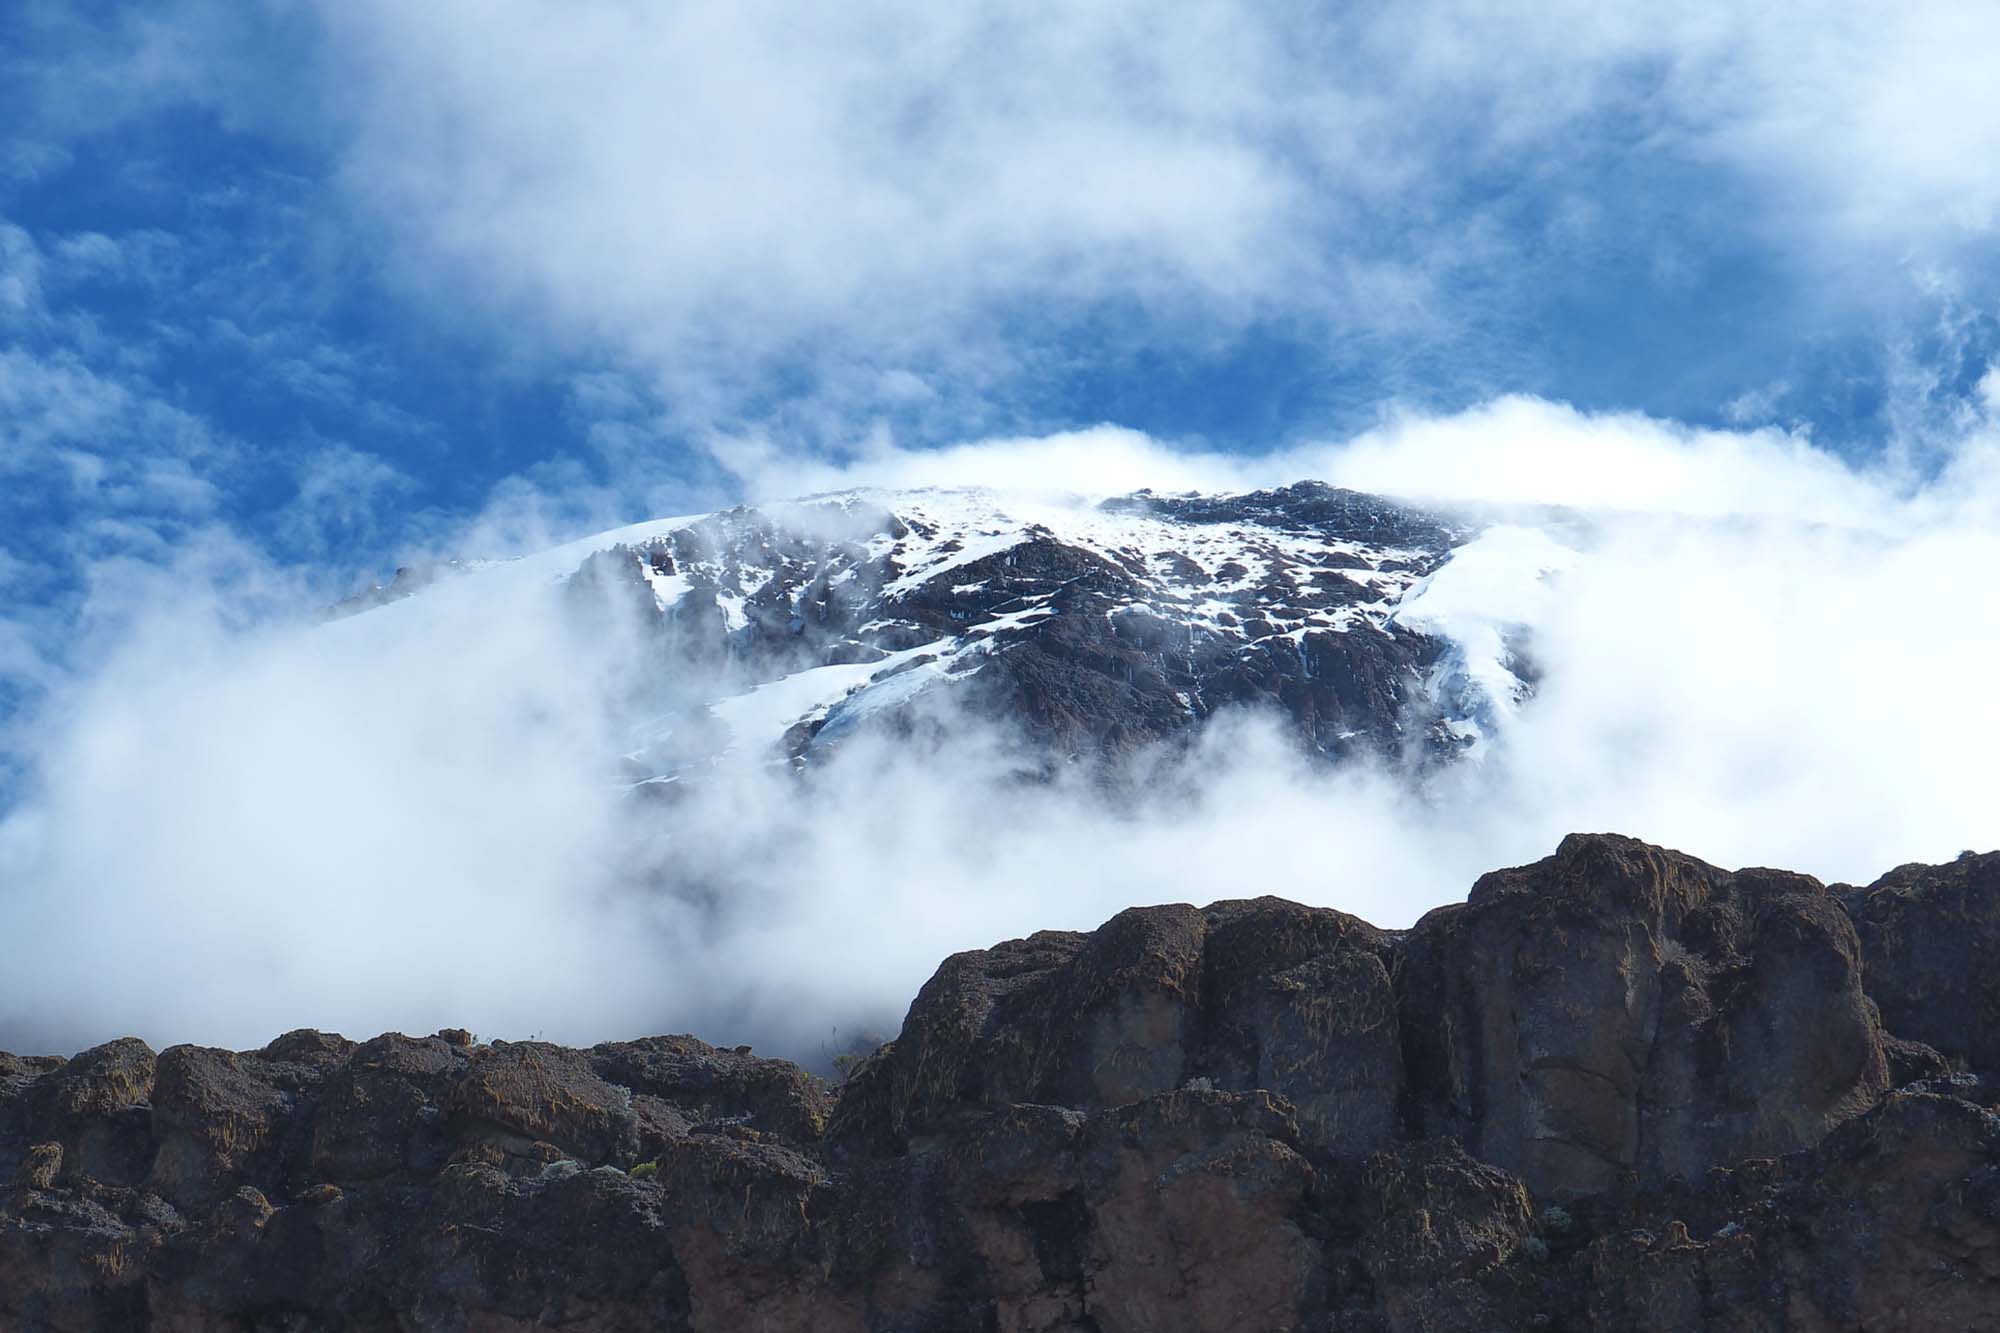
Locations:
{"points": [[1618, 1088]]}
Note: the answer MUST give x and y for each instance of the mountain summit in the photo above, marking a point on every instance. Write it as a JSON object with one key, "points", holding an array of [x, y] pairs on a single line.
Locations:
{"points": [[1092, 628]]}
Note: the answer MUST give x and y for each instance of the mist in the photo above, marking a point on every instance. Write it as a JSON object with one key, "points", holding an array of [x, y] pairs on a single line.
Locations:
{"points": [[241, 822]]}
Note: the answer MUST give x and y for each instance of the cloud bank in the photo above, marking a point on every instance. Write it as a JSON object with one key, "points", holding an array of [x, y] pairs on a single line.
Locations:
{"points": [[406, 819]]}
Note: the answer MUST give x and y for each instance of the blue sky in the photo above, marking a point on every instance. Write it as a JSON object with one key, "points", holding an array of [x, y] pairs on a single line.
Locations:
{"points": [[323, 287]]}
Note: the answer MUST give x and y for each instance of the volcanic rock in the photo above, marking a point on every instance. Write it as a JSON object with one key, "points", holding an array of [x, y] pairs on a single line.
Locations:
{"points": [[1617, 1088]]}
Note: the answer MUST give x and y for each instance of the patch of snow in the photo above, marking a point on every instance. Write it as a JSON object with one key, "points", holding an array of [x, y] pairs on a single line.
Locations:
{"points": [[668, 589], [882, 695], [762, 716], [562, 561], [1490, 589], [1008, 620], [975, 547]]}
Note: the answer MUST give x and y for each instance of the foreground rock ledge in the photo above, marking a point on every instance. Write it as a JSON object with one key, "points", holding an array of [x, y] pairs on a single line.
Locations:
{"points": [[1617, 1088]]}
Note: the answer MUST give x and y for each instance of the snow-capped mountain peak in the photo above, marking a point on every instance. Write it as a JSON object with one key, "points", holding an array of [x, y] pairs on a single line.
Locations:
{"points": [[1093, 627]]}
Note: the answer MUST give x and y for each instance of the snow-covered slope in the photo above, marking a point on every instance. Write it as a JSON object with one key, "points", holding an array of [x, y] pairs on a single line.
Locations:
{"points": [[1092, 628]]}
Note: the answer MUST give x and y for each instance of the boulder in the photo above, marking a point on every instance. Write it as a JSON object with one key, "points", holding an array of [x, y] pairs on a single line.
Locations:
{"points": [[709, 1085], [97, 1106], [1620, 1008], [1929, 937], [218, 1120], [382, 1111], [1259, 994]]}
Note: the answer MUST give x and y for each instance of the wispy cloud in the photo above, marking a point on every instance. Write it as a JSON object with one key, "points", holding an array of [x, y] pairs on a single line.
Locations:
{"points": [[104, 464], [725, 202]]}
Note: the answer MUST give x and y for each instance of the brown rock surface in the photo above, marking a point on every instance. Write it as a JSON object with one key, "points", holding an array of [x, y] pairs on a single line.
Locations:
{"points": [[1618, 1088], [1929, 935], [1617, 1007]]}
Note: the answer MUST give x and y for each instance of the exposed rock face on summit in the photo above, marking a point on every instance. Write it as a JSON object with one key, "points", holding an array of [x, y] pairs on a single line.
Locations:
{"points": [[1618, 1088]]}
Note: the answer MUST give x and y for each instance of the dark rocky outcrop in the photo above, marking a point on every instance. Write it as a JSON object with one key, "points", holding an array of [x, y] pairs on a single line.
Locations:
{"points": [[1618, 1088], [1929, 936], [1618, 1008]]}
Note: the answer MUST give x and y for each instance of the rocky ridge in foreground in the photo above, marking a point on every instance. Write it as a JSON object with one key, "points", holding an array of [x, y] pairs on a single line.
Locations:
{"points": [[1618, 1088]]}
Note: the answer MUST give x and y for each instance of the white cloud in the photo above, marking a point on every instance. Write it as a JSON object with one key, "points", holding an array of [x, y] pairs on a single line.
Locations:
{"points": [[91, 252], [105, 440], [763, 177], [1760, 692], [20, 274], [1509, 451], [1101, 461], [1526, 451], [408, 807], [879, 191], [342, 494]]}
